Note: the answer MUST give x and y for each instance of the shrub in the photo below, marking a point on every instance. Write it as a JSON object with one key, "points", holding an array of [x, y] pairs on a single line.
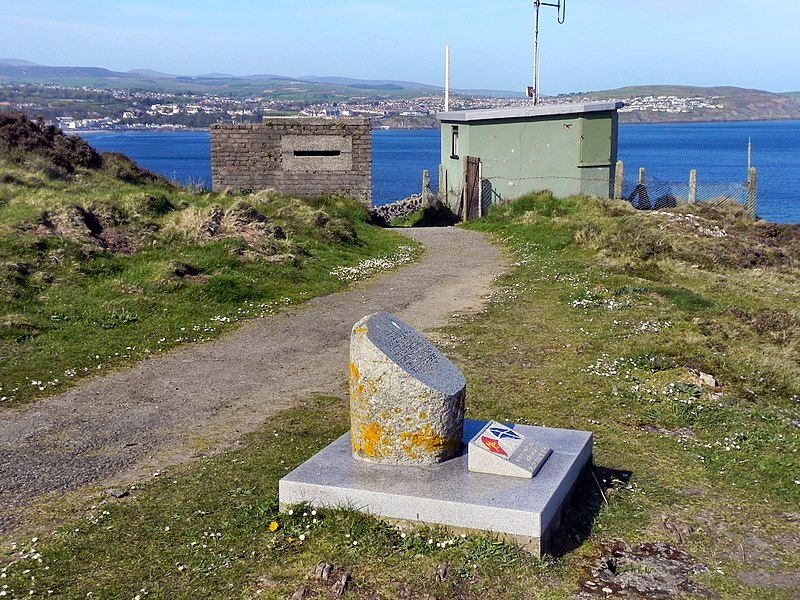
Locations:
{"points": [[22, 139]]}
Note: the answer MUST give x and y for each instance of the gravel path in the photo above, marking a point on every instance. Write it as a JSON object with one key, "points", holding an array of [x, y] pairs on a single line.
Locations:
{"points": [[122, 427]]}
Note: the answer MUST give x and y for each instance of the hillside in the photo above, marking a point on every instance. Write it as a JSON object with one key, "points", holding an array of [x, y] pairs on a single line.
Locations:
{"points": [[308, 87], [99, 257], [656, 103], [95, 98], [673, 336]]}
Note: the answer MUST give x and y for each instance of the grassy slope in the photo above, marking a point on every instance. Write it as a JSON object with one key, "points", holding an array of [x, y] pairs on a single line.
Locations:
{"points": [[596, 327], [97, 272]]}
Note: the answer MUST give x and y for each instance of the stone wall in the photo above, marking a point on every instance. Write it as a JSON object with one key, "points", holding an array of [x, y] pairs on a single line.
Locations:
{"points": [[388, 212], [303, 157]]}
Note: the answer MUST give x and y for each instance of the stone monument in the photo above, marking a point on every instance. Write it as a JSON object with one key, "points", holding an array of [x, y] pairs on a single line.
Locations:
{"points": [[406, 397], [410, 455]]}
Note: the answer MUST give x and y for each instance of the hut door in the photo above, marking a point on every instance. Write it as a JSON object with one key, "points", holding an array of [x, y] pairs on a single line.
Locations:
{"points": [[472, 204]]}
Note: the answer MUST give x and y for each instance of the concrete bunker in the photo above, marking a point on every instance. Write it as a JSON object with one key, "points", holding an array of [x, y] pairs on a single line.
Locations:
{"points": [[303, 157]]}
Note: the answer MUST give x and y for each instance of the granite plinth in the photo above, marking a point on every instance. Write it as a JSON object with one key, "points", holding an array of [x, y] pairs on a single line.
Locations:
{"points": [[526, 511]]}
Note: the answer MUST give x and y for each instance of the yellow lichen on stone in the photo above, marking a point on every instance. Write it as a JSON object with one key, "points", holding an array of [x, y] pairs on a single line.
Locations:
{"points": [[360, 388], [354, 370], [371, 437], [423, 441], [354, 441], [355, 376]]}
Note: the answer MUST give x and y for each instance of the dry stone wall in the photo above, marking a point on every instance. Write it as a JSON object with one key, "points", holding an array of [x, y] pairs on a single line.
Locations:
{"points": [[302, 157]]}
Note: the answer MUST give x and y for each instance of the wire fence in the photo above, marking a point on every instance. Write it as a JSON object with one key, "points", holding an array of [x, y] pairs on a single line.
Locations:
{"points": [[648, 193], [643, 193], [657, 193]]}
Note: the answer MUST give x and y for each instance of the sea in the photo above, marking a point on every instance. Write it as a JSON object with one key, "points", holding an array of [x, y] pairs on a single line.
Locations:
{"points": [[718, 151]]}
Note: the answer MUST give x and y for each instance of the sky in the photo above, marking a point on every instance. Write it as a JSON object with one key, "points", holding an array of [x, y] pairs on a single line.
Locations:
{"points": [[603, 44]]}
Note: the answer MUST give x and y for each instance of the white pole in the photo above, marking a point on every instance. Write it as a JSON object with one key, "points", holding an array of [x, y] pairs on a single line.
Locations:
{"points": [[536, 4], [447, 79], [749, 154]]}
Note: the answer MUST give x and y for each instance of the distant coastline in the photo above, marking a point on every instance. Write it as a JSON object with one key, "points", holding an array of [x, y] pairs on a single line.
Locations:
{"points": [[434, 125], [82, 99]]}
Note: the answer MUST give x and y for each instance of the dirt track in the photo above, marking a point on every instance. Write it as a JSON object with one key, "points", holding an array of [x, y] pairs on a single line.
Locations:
{"points": [[122, 427]]}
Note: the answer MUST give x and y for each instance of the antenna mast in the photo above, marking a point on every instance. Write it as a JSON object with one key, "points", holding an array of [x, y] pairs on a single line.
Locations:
{"points": [[446, 78], [562, 16]]}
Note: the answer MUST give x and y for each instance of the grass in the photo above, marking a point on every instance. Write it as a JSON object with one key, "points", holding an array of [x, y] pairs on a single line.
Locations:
{"points": [[97, 273], [604, 323]]}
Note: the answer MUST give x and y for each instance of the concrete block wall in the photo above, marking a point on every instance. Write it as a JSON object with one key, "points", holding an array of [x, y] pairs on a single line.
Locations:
{"points": [[303, 157]]}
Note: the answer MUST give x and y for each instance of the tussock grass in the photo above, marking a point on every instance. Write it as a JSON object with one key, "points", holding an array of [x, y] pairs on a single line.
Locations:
{"points": [[112, 265]]}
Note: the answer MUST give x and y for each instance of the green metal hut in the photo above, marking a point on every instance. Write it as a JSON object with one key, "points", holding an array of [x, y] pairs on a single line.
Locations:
{"points": [[490, 156]]}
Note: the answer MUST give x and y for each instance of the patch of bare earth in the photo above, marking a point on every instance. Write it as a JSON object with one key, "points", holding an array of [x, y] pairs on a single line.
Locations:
{"points": [[649, 570]]}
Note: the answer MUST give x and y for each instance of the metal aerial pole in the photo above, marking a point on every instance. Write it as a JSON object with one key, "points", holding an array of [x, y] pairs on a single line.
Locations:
{"points": [[562, 15], [536, 5]]}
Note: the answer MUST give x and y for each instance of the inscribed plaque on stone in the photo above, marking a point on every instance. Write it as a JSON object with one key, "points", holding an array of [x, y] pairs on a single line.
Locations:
{"points": [[406, 397]]}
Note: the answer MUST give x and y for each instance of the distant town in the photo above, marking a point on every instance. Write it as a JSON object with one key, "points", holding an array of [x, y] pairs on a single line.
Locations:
{"points": [[82, 108]]}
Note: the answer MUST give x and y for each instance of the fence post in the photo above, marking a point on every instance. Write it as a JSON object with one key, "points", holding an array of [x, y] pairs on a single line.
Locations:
{"points": [[426, 183], [443, 185], [619, 174], [692, 186], [752, 197], [641, 175]]}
